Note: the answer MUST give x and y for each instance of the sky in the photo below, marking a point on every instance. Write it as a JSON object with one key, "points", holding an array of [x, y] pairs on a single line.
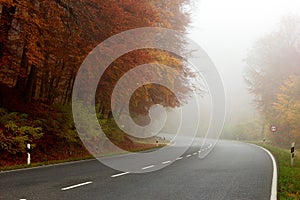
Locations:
{"points": [[226, 30]]}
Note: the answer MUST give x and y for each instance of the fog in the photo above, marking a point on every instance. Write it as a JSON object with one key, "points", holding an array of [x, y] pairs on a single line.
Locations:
{"points": [[226, 30]]}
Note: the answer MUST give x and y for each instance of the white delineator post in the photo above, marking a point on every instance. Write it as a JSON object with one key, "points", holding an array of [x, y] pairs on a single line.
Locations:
{"points": [[28, 154], [292, 154]]}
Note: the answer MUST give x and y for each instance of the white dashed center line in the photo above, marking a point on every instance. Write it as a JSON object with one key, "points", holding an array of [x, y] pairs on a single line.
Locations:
{"points": [[195, 153], [179, 158], [188, 156], [166, 162], [121, 174], [75, 186], [148, 167]]}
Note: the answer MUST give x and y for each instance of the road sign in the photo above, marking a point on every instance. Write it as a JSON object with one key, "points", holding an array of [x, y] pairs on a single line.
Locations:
{"points": [[273, 128]]}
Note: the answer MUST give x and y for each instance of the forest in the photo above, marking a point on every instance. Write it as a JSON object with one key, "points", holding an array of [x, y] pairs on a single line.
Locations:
{"points": [[42, 45], [273, 77]]}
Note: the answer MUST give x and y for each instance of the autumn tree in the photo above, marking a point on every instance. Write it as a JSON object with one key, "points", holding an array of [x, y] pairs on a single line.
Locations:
{"points": [[287, 108], [272, 61], [48, 40], [44, 42]]}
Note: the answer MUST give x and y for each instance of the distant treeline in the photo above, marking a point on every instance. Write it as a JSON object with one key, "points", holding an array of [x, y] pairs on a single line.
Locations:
{"points": [[273, 78]]}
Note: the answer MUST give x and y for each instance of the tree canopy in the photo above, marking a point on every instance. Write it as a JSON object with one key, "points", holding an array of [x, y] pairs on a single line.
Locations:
{"points": [[44, 42], [273, 78]]}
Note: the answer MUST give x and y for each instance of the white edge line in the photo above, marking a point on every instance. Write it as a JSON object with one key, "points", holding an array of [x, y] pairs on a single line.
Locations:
{"points": [[62, 164], [48, 166], [75, 186], [121, 174], [148, 167], [274, 179]]}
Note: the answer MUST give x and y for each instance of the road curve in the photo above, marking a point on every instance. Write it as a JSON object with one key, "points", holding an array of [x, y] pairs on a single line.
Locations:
{"points": [[233, 170]]}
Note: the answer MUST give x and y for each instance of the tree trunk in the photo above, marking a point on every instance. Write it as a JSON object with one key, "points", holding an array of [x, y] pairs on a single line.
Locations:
{"points": [[7, 17], [68, 91], [30, 85], [21, 81]]}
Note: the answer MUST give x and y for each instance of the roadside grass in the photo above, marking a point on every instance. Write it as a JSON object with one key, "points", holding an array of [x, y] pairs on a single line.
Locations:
{"points": [[288, 177]]}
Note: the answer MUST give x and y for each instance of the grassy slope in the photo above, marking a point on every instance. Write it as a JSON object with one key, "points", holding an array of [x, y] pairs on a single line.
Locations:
{"points": [[289, 177], [59, 130]]}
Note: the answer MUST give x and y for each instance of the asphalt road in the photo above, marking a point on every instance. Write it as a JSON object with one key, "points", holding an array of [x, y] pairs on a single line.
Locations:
{"points": [[232, 171]]}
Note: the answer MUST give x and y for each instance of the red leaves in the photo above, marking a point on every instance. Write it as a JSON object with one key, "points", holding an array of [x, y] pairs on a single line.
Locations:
{"points": [[55, 36]]}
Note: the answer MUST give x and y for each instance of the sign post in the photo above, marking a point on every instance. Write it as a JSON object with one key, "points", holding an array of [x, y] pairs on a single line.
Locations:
{"points": [[28, 154], [273, 128], [292, 154]]}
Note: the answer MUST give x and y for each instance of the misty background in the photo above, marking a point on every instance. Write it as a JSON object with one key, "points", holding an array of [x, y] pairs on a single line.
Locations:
{"points": [[227, 30]]}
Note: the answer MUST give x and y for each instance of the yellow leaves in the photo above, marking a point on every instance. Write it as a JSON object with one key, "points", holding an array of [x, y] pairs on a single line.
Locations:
{"points": [[287, 104]]}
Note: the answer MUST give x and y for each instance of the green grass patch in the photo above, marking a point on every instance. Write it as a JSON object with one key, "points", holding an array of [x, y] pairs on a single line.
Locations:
{"points": [[288, 177]]}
